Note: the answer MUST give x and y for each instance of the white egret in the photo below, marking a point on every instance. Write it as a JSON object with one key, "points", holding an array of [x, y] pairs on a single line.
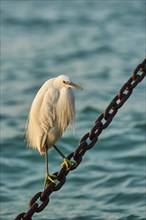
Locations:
{"points": [[52, 109]]}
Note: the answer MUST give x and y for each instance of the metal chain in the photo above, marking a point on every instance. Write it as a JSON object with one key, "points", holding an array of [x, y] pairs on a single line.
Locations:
{"points": [[86, 142]]}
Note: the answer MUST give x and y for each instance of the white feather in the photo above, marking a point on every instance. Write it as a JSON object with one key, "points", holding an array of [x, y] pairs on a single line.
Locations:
{"points": [[52, 109]]}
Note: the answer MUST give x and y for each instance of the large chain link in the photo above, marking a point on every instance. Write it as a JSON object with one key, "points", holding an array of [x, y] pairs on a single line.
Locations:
{"points": [[86, 142]]}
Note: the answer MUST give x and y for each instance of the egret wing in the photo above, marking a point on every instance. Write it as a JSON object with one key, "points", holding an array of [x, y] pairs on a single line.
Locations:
{"points": [[41, 119], [47, 114], [65, 109]]}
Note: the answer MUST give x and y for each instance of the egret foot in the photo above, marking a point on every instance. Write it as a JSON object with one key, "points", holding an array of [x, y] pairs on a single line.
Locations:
{"points": [[49, 178], [68, 164]]}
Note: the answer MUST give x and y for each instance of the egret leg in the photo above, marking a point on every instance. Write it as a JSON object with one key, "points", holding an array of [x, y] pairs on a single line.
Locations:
{"points": [[48, 178], [60, 153], [66, 162]]}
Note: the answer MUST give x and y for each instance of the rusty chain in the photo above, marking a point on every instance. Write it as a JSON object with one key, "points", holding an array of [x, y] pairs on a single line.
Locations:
{"points": [[86, 142]]}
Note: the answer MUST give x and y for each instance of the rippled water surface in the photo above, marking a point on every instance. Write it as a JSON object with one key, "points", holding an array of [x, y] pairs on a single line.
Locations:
{"points": [[97, 44]]}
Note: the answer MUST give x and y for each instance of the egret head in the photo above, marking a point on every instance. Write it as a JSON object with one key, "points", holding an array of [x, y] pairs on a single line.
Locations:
{"points": [[63, 81]]}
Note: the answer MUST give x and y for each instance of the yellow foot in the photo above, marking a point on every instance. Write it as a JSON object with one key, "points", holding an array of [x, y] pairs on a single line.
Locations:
{"points": [[68, 164], [48, 179]]}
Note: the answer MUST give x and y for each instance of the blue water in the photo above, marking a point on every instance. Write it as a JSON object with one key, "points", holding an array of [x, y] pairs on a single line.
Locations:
{"points": [[97, 44]]}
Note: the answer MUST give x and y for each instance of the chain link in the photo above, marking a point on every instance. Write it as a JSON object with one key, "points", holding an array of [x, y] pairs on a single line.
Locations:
{"points": [[86, 142]]}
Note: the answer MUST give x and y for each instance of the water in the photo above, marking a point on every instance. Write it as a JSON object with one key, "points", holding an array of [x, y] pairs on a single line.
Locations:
{"points": [[97, 44]]}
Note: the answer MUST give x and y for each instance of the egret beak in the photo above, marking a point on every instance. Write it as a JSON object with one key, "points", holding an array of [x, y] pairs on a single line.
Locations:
{"points": [[75, 86]]}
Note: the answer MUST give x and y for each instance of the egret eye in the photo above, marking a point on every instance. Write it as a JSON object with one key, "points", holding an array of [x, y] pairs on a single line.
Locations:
{"points": [[64, 81]]}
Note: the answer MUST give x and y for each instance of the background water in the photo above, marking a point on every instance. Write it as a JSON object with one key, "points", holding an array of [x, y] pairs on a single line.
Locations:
{"points": [[97, 44]]}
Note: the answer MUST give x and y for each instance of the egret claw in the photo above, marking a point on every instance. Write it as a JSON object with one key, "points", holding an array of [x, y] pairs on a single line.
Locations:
{"points": [[49, 178], [68, 164]]}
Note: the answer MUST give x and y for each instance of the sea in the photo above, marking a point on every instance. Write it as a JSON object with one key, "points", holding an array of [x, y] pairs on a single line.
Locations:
{"points": [[97, 44]]}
